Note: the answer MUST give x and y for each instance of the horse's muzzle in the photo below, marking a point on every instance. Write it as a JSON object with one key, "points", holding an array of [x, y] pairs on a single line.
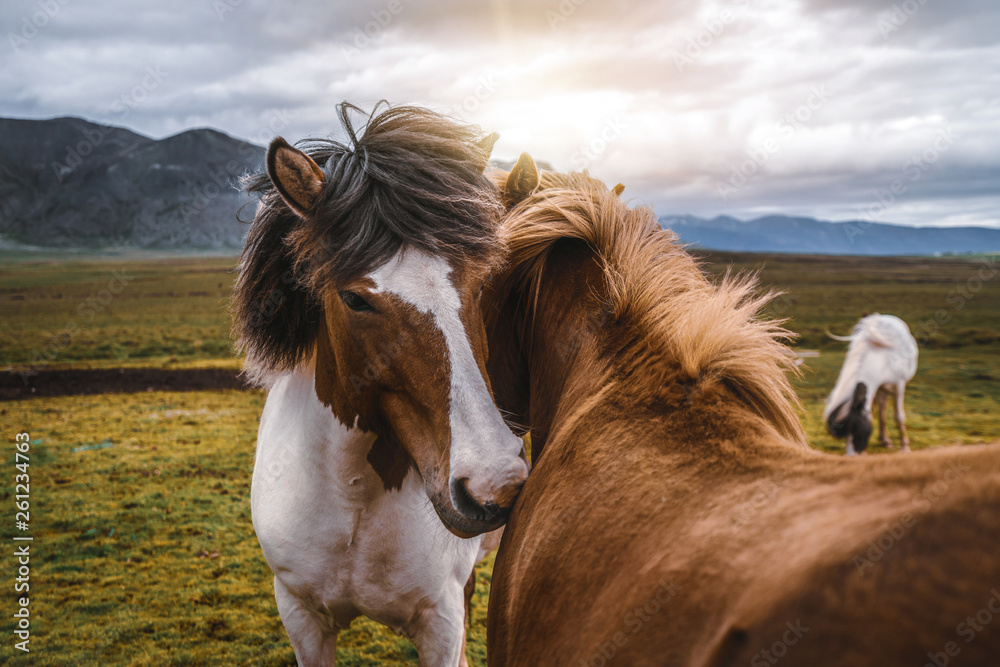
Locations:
{"points": [[488, 514]]}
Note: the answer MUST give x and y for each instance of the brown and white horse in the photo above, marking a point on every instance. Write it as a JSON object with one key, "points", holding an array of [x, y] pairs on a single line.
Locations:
{"points": [[358, 307], [674, 514]]}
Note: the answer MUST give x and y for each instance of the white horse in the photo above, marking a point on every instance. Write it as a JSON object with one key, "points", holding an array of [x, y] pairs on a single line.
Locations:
{"points": [[381, 458], [881, 359]]}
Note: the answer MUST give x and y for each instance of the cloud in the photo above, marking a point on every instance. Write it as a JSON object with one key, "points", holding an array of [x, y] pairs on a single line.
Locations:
{"points": [[670, 98]]}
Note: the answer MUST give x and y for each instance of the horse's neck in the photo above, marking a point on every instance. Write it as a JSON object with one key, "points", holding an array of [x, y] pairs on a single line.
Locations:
{"points": [[573, 350], [311, 434], [567, 320]]}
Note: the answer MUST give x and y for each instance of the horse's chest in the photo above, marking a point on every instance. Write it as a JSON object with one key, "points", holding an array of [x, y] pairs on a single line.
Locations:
{"points": [[331, 533], [363, 548]]}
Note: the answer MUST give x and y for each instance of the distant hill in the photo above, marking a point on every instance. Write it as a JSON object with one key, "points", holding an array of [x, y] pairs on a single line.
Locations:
{"points": [[67, 182], [70, 183], [778, 233], [507, 165]]}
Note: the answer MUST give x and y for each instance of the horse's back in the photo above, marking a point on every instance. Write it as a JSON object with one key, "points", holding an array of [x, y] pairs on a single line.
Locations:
{"points": [[891, 336], [887, 581], [828, 562], [897, 605]]}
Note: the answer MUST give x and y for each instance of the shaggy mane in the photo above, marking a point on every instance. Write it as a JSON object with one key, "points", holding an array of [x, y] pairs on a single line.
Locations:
{"points": [[409, 177], [658, 289]]}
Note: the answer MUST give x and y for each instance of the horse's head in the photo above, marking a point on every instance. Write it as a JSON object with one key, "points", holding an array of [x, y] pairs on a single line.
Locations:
{"points": [[852, 420], [505, 304], [388, 245]]}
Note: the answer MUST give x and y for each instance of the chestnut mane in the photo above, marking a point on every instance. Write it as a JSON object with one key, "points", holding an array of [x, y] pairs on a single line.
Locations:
{"points": [[679, 318]]}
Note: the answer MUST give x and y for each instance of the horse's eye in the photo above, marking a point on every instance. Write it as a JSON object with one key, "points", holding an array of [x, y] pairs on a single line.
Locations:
{"points": [[355, 302]]}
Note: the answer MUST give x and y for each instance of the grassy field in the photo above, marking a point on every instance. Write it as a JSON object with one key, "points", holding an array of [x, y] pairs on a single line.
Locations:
{"points": [[952, 306], [111, 312], [144, 551]]}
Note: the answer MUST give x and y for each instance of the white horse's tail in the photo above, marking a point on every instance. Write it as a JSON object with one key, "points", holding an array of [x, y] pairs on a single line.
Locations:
{"points": [[846, 339], [870, 332]]}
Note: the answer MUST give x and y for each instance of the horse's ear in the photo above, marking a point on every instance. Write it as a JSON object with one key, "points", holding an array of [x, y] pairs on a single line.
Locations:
{"points": [[486, 146], [521, 182], [295, 175], [618, 189]]}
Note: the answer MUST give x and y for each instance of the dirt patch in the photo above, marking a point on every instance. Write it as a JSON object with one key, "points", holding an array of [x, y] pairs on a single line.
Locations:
{"points": [[116, 381]]}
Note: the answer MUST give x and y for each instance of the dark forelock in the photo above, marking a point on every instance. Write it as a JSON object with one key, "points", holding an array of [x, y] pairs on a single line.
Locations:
{"points": [[408, 177]]}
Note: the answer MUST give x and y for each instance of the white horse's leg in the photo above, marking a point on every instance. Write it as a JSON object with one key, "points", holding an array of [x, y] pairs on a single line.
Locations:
{"points": [[901, 416], [881, 398], [470, 590], [315, 645], [439, 634]]}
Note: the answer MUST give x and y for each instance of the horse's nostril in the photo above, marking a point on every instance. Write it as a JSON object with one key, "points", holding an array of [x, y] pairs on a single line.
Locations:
{"points": [[466, 503]]}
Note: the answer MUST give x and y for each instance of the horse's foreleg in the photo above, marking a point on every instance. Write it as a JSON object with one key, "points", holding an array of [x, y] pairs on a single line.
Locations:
{"points": [[850, 446], [470, 589], [313, 643], [881, 398], [439, 634], [901, 416]]}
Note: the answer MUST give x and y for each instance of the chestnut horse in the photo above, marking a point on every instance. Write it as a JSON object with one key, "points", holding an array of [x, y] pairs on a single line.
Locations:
{"points": [[358, 308], [674, 514]]}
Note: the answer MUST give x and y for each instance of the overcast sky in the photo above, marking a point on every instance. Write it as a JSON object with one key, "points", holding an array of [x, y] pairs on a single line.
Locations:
{"points": [[745, 107]]}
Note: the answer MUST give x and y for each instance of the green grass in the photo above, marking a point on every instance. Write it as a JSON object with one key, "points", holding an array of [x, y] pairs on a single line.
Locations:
{"points": [[124, 564], [121, 572], [115, 311], [954, 399], [951, 304], [946, 301]]}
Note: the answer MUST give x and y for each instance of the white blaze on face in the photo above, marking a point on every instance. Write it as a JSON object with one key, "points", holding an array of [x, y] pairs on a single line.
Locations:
{"points": [[482, 447]]}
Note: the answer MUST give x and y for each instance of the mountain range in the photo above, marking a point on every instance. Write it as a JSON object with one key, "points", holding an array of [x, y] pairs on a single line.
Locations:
{"points": [[71, 183], [779, 233], [67, 182]]}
